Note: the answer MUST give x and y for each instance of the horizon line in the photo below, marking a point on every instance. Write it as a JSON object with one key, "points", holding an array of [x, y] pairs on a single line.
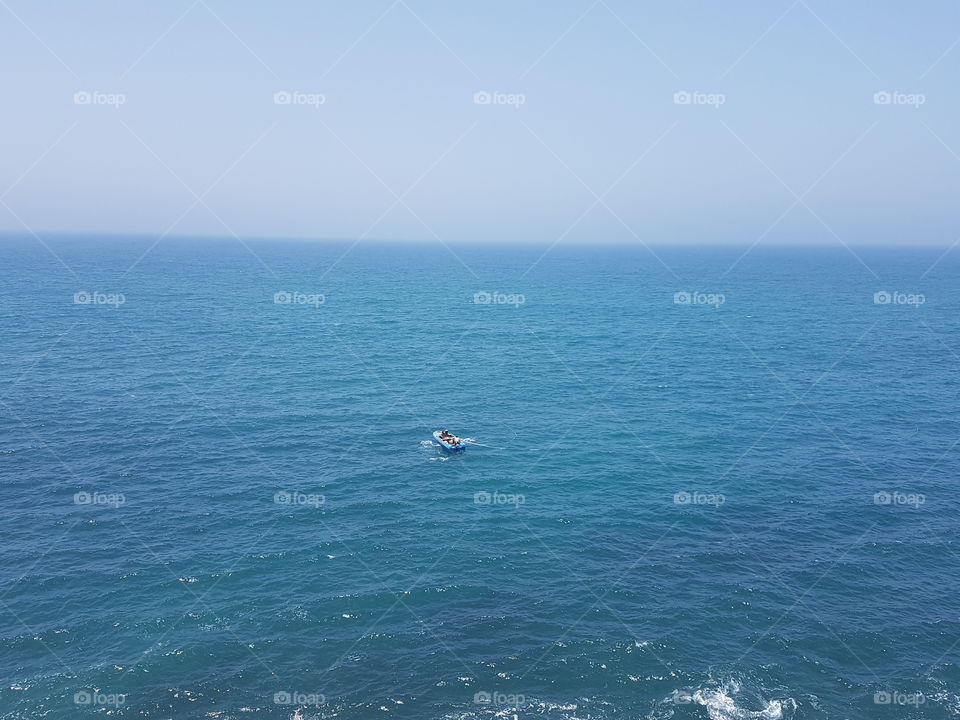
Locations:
{"points": [[116, 235]]}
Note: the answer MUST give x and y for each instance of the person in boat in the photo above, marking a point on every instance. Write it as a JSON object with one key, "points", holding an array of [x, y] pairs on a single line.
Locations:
{"points": [[449, 437]]}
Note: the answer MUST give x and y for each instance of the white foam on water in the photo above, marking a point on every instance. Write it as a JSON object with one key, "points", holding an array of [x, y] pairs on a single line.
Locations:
{"points": [[720, 704]]}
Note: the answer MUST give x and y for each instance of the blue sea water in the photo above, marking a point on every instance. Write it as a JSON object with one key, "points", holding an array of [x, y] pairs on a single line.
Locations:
{"points": [[716, 489]]}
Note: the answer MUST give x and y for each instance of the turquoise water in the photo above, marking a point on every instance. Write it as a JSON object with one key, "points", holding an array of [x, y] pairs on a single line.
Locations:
{"points": [[217, 505]]}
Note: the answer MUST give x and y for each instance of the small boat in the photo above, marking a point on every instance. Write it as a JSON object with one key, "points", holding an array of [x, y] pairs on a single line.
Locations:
{"points": [[457, 446]]}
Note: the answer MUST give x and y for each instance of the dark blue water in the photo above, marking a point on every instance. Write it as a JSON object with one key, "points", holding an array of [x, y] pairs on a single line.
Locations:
{"points": [[738, 502]]}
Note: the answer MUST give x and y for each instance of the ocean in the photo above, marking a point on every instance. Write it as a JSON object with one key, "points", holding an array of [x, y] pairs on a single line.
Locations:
{"points": [[716, 485]]}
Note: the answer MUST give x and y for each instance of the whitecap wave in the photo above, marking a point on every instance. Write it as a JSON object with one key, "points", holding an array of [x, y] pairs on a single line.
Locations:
{"points": [[721, 704]]}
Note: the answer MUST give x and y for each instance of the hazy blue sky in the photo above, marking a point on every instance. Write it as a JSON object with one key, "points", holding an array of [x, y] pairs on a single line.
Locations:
{"points": [[598, 119]]}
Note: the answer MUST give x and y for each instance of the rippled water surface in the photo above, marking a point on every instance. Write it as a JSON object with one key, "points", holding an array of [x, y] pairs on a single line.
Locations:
{"points": [[736, 502]]}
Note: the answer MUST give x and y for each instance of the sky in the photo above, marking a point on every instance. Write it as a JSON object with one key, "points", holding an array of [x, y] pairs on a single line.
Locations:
{"points": [[787, 121]]}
